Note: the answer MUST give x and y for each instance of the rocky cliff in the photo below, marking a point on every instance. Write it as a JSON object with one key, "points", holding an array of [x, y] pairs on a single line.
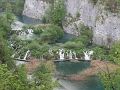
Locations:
{"points": [[35, 8], [105, 25]]}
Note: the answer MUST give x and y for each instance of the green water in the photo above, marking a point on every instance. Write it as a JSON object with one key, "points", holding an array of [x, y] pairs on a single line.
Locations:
{"points": [[68, 68], [28, 20]]}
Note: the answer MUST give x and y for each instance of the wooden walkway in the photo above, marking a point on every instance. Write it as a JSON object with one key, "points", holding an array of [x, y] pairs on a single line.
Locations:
{"points": [[72, 60]]}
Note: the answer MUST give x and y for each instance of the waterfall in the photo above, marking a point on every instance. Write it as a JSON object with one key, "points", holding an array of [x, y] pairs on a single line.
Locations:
{"points": [[87, 55], [70, 55], [75, 56], [25, 57], [61, 54]]}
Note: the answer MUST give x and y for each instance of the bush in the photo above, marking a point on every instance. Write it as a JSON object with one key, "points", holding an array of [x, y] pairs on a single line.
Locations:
{"points": [[37, 31], [73, 45], [99, 53], [86, 35], [51, 34], [37, 50], [56, 13], [115, 53]]}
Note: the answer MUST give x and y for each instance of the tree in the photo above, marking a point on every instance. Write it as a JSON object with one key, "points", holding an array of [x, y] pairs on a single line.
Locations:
{"points": [[57, 12], [5, 54], [99, 53], [18, 7], [43, 77], [110, 79], [115, 53], [13, 6], [5, 26], [9, 80], [51, 34]]}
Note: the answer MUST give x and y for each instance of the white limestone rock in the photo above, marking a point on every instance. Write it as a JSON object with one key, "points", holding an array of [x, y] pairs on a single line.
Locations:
{"points": [[35, 8], [105, 25]]}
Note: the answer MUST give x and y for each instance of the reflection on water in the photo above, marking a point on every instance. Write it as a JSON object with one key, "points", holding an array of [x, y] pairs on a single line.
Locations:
{"points": [[67, 68], [28, 20]]}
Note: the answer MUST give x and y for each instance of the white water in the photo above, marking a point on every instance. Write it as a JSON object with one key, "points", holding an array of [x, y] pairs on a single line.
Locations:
{"points": [[87, 55], [61, 54], [70, 55]]}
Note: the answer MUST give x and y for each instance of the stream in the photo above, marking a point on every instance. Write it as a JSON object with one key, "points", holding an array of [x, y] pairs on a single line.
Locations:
{"points": [[69, 68]]}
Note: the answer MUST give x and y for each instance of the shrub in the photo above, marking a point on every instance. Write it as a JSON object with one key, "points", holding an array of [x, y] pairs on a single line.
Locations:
{"points": [[57, 12], [73, 45], [115, 53], [51, 34], [99, 53]]}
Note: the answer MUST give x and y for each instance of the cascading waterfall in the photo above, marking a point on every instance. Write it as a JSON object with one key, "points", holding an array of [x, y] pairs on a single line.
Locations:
{"points": [[75, 56], [62, 54], [87, 55], [70, 55]]}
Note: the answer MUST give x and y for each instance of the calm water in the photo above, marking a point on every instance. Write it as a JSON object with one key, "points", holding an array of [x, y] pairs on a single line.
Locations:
{"points": [[28, 20], [68, 68]]}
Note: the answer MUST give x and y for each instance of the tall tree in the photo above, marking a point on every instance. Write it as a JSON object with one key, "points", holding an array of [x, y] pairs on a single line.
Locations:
{"points": [[57, 12]]}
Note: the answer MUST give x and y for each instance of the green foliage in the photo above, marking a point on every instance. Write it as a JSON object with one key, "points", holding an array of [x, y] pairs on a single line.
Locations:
{"points": [[6, 19], [110, 79], [86, 31], [18, 7], [43, 77], [86, 35], [10, 81], [99, 53], [73, 45], [38, 31], [15, 6], [5, 54], [37, 50], [51, 34], [56, 13], [115, 53]]}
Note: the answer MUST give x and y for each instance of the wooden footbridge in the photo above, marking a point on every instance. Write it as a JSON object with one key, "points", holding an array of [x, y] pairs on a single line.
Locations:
{"points": [[71, 60]]}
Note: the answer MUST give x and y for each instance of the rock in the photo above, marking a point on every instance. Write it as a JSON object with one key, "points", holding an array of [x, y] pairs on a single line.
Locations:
{"points": [[35, 8], [105, 25], [17, 25]]}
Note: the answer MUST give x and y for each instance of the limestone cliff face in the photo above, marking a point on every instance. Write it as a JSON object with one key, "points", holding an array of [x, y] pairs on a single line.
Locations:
{"points": [[105, 25], [35, 8]]}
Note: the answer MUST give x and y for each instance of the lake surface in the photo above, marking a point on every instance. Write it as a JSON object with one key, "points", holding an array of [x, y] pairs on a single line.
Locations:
{"points": [[68, 68]]}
